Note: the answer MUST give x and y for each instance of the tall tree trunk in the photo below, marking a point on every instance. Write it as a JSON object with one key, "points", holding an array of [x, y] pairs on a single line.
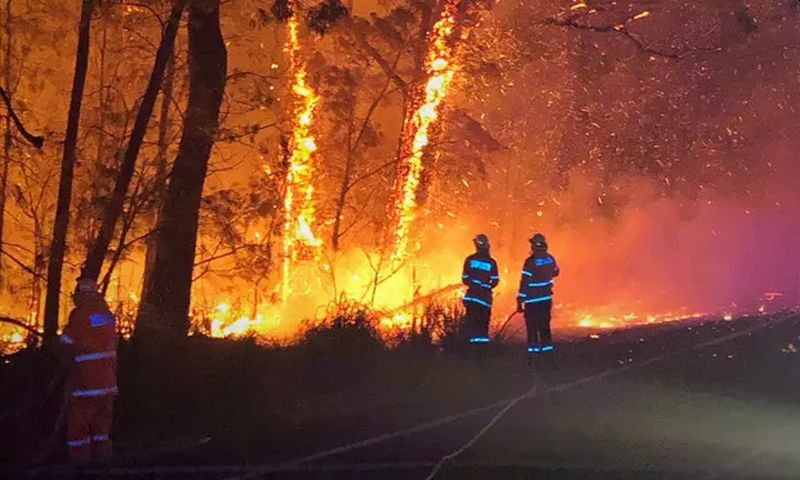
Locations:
{"points": [[58, 244], [94, 261], [6, 133], [165, 302], [161, 164]]}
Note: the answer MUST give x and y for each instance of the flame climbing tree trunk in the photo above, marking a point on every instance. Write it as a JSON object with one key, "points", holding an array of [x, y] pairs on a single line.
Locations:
{"points": [[164, 309], [94, 261], [58, 245]]}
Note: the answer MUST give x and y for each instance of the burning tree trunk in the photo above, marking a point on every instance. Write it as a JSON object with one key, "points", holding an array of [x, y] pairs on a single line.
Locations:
{"points": [[299, 239], [165, 301], [94, 261], [421, 112], [59, 241]]}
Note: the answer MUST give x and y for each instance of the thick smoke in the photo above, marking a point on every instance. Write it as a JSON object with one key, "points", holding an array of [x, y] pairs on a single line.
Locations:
{"points": [[668, 256]]}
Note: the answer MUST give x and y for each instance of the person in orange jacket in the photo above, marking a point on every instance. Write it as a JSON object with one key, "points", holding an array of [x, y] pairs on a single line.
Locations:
{"points": [[91, 345]]}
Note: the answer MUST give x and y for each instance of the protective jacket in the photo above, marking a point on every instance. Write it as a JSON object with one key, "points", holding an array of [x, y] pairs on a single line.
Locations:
{"points": [[92, 346], [538, 272], [480, 275]]}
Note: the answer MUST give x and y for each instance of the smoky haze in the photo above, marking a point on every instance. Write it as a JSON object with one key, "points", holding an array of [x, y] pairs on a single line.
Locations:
{"points": [[663, 255]]}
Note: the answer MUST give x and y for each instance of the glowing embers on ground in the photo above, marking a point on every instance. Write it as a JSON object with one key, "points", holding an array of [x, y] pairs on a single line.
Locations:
{"points": [[299, 239], [629, 319], [439, 69]]}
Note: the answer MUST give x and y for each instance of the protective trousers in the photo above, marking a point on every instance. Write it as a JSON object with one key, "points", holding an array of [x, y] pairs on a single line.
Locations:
{"points": [[89, 428], [537, 323], [477, 322]]}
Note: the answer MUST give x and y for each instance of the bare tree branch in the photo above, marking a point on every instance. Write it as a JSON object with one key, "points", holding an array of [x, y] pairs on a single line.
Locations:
{"points": [[144, 6], [372, 172], [373, 52], [233, 251], [573, 20], [35, 140], [22, 265], [20, 324]]}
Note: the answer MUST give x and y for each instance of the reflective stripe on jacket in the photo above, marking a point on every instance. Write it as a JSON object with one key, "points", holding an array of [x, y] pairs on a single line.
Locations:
{"points": [[92, 343], [538, 272], [480, 275]]}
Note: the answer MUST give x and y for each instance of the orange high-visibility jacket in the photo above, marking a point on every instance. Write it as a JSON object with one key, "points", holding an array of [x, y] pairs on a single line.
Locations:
{"points": [[92, 343]]}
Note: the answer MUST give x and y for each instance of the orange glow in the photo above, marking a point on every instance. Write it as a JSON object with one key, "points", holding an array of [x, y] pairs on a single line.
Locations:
{"points": [[226, 320], [439, 68], [299, 240], [605, 319], [401, 321]]}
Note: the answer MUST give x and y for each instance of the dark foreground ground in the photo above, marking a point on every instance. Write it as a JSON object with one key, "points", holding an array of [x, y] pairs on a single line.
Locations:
{"points": [[695, 400]]}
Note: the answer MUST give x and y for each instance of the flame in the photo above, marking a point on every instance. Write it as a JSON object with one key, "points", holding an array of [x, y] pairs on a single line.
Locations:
{"points": [[439, 68], [604, 318], [398, 321], [226, 320], [299, 240]]}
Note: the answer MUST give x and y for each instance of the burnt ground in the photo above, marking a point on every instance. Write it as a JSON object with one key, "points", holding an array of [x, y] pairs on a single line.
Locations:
{"points": [[696, 400]]}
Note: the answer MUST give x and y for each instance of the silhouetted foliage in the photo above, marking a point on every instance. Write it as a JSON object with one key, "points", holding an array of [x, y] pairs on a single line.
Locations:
{"points": [[322, 17], [282, 10]]}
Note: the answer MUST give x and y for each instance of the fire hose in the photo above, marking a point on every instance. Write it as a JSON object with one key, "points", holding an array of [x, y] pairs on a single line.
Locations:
{"points": [[505, 324]]}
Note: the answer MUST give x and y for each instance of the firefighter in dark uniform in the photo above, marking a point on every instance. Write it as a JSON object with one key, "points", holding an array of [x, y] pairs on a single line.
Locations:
{"points": [[480, 275], [536, 295]]}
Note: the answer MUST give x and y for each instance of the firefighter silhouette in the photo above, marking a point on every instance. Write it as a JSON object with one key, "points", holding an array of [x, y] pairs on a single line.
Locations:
{"points": [[535, 296], [480, 275]]}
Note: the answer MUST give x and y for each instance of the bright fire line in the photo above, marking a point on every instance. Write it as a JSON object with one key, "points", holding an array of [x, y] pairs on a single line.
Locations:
{"points": [[299, 240], [440, 69]]}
